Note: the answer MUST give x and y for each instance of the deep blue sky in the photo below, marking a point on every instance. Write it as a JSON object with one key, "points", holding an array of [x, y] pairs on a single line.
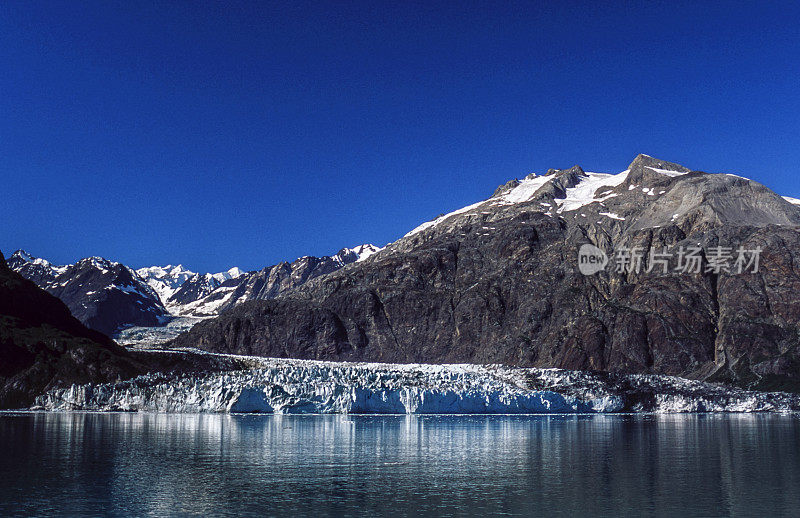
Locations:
{"points": [[245, 134]]}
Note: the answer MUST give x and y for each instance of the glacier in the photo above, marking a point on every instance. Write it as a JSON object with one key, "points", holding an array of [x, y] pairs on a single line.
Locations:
{"points": [[149, 337], [286, 386]]}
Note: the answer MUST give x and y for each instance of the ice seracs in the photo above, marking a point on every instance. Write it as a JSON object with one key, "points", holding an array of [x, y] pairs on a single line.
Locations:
{"points": [[306, 386]]}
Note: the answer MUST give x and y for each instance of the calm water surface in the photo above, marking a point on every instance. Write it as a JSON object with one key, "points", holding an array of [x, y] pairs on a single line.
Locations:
{"points": [[221, 465]]}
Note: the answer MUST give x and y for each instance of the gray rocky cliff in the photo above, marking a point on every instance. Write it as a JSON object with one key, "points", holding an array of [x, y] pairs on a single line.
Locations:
{"points": [[498, 282]]}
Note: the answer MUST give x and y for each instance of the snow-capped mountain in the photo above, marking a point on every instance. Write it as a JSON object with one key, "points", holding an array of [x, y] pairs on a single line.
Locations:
{"points": [[42, 345], [165, 280], [498, 281], [185, 293], [177, 286], [38, 270], [102, 294], [563, 192], [232, 273], [495, 282], [267, 283], [196, 288], [109, 296], [362, 252]]}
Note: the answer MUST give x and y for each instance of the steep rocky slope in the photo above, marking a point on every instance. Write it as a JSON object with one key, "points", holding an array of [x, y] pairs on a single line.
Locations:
{"points": [[266, 283], [43, 346], [102, 294], [499, 282]]}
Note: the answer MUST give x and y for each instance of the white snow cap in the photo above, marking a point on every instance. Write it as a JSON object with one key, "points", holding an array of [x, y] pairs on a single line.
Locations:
{"points": [[173, 274], [229, 274], [28, 258], [25, 256], [364, 251], [667, 172], [582, 194]]}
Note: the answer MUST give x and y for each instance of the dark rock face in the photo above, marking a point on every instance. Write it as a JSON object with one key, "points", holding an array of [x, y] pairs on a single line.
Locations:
{"points": [[43, 346], [103, 295], [500, 283]]}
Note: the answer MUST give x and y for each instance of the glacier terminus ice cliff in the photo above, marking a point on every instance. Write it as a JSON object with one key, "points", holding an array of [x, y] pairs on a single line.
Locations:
{"points": [[285, 386]]}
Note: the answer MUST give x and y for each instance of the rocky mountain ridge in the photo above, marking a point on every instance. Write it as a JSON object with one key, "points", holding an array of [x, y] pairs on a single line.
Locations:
{"points": [[273, 281], [109, 296]]}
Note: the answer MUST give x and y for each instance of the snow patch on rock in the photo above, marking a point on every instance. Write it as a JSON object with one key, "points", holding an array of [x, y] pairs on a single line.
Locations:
{"points": [[585, 192], [667, 172]]}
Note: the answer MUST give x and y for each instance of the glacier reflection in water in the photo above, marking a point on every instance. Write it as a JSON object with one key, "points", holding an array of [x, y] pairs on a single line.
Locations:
{"points": [[234, 465]]}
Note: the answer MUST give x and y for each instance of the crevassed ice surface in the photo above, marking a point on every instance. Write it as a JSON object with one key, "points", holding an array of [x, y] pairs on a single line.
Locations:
{"points": [[305, 386], [146, 337]]}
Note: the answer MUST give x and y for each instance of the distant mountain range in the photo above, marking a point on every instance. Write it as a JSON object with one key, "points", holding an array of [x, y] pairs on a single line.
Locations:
{"points": [[108, 296], [102, 294]]}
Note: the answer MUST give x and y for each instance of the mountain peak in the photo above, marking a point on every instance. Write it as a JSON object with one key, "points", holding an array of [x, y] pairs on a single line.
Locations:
{"points": [[235, 272], [645, 167], [362, 251], [97, 262], [574, 170], [23, 255], [643, 160], [231, 273]]}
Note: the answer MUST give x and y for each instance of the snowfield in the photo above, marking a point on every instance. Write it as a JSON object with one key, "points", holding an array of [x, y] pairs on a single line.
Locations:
{"points": [[285, 386]]}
